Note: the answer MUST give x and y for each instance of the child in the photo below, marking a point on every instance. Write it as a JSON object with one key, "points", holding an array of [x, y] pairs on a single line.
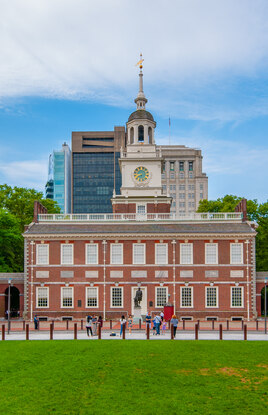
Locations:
{"points": [[130, 323], [163, 327]]}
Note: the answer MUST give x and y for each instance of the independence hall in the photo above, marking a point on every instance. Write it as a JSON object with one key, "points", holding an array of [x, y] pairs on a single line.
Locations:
{"points": [[80, 264]]}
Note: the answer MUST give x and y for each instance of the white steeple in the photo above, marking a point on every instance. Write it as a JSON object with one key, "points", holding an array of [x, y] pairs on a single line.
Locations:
{"points": [[140, 100]]}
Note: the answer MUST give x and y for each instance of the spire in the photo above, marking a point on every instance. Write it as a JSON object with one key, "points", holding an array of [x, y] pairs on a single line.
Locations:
{"points": [[140, 100]]}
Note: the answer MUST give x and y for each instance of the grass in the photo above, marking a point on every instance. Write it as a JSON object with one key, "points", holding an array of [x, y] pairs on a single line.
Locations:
{"points": [[133, 377]]}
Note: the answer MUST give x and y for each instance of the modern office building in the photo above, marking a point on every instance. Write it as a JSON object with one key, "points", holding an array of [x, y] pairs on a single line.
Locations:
{"points": [[58, 186], [183, 179], [95, 169]]}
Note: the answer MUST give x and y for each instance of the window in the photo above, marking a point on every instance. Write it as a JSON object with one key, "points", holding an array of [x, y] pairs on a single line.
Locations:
{"points": [[140, 133], [66, 297], [182, 204], [161, 256], [186, 296], [138, 253], [201, 186], [181, 175], [191, 175], [92, 253], [182, 195], [211, 297], [201, 195], [172, 166], [161, 294], [182, 187], [42, 254], [186, 253], [211, 253], [181, 166], [67, 254], [117, 297], [236, 253], [172, 175], [237, 297], [116, 253], [191, 165], [141, 209], [42, 297], [91, 297]]}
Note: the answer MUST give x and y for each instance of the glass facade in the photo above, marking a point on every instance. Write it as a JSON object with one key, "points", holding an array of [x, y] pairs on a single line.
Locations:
{"points": [[93, 181]]}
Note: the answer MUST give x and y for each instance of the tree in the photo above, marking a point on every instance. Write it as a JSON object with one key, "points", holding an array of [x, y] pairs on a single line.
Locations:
{"points": [[16, 211], [20, 202], [11, 243], [256, 212]]}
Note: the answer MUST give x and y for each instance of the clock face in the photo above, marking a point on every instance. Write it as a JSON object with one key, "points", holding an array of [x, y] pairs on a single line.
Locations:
{"points": [[141, 174]]}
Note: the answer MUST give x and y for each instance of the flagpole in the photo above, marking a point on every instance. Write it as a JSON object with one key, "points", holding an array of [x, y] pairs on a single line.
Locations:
{"points": [[169, 130]]}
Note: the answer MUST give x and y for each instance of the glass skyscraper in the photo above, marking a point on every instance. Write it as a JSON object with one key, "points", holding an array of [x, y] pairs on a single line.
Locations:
{"points": [[58, 186]]}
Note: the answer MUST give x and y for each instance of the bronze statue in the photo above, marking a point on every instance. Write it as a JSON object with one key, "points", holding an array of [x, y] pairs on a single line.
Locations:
{"points": [[138, 298]]}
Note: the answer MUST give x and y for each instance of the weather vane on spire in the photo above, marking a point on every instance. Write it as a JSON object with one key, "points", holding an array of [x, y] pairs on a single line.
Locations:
{"points": [[140, 61]]}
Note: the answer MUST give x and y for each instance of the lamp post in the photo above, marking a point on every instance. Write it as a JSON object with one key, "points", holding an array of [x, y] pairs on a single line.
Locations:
{"points": [[265, 307], [8, 307]]}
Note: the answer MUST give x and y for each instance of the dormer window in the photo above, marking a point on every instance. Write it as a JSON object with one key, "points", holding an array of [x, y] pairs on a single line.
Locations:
{"points": [[141, 134]]}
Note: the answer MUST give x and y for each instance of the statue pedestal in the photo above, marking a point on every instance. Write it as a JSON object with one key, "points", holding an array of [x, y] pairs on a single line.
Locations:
{"points": [[137, 315]]}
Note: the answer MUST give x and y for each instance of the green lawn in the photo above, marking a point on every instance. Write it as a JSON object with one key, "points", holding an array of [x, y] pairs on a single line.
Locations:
{"points": [[133, 377]]}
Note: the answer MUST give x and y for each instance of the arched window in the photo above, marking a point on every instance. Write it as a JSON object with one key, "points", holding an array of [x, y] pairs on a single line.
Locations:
{"points": [[150, 135], [141, 133], [131, 135]]}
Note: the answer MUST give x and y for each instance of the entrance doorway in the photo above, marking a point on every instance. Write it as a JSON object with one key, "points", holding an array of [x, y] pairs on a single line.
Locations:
{"points": [[143, 302], [263, 299], [14, 302]]}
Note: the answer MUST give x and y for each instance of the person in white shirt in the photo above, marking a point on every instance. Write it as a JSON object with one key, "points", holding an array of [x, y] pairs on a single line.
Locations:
{"points": [[122, 322]]}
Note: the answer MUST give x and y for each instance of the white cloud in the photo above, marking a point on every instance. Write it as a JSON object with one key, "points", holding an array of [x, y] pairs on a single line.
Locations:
{"points": [[81, 48], [31, 174]]}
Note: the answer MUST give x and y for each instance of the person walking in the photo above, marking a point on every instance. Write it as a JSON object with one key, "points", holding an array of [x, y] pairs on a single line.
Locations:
{"points": [[122, 323], [174, 321], [130, 323], [36, 322], [158, 322], [89, 326]]}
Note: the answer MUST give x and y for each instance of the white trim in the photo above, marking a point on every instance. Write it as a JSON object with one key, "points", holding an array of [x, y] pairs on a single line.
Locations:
{"points": [[186, 318], [191, 260], [192, 299], [211, 318], [144, 250], [61, 249], [96, 288], [144, 302], [155, 247], [37, 254], [238, 318], [111, 297], [97, 254], [67, 318], [241, 246], [242, 296], [61, 298], [111, 254], [157, 288], [217, 297], [37, 297], [217, 259]]}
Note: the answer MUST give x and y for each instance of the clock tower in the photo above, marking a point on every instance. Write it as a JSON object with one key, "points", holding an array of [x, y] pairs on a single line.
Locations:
{"points": [[141, 164]]}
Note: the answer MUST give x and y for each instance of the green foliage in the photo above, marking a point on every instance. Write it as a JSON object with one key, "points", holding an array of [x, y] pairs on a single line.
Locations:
{"points": [[256, 212], [11, 243], [133, 377], [16, 211]]}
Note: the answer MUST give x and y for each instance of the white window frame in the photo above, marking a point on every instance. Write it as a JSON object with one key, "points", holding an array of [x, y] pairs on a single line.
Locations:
{"points": [[133, 254], [111, 297], [156, 290], [61, 300], [231, 259], [86, 302], [156, 254], [191, 253], [145, 208], [97, 254], [208, 245], [38, 246], [242, 297], [61, 256], [192, 297], [111, 254], [217, 297], [37, 297]]}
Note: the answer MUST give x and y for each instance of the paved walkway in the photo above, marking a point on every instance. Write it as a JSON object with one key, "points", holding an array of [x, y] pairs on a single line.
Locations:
{"points": [[137, 335]]}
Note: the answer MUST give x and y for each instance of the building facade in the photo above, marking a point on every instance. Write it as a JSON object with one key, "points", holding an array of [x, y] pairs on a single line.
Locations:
{"points": [[204, 264], [58, 186]]}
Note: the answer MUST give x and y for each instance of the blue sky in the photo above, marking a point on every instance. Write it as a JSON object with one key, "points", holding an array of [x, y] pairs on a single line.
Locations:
{"points": [[69, 65]]}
